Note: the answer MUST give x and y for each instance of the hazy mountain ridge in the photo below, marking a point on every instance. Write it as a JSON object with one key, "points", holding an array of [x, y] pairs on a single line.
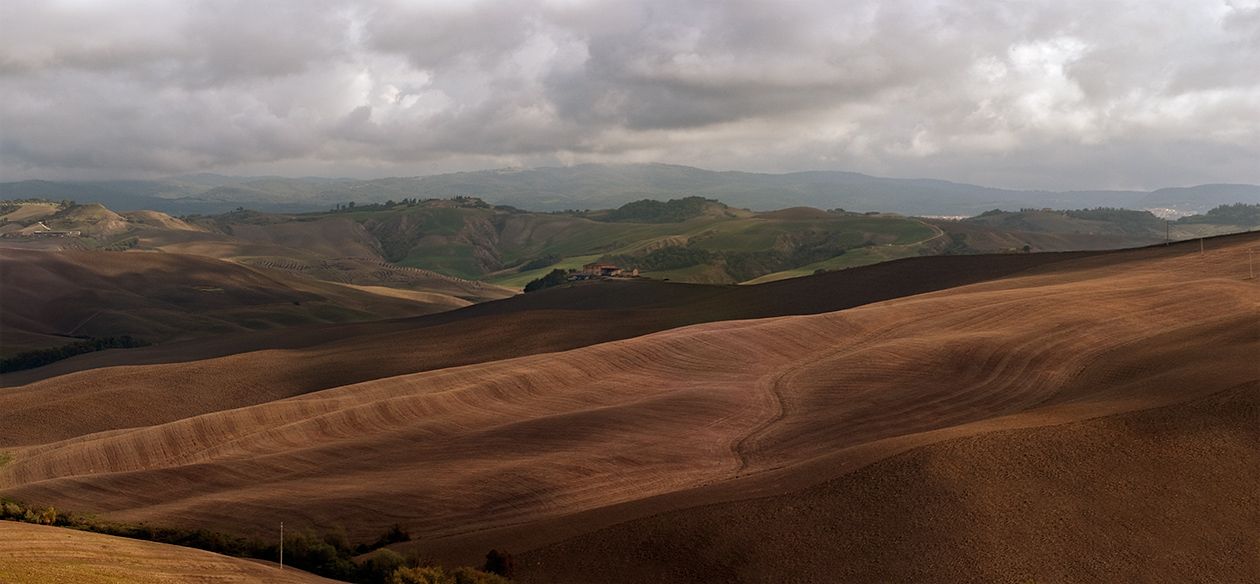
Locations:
{"points": [[595, 186]]}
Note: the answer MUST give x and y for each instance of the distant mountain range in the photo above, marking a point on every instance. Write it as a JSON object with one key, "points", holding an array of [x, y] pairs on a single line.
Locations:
{"points": [[595, 186]]}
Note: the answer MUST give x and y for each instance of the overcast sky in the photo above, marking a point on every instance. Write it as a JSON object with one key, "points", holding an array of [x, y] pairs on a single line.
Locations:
{"points": [[1057, 94]]}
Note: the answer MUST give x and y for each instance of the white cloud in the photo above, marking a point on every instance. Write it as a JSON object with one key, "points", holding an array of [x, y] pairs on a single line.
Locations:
{"points": [[1063, 94]]}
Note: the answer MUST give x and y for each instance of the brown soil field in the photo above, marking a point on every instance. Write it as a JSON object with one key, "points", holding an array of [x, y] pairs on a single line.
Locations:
{"points": [[336, 250], [1160, 495], [986, 238], [161, 296], [39, 554], [241, 370], [1008, 429]]}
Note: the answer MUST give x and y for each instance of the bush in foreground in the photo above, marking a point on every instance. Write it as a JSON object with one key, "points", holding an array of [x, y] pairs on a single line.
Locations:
{"points": [[437, 575]]}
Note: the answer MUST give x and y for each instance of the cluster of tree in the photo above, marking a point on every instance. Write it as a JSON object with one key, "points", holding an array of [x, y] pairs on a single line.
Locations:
{"points": [[330, 555], [437, 575], [1237, 214], [461, 201], [957, 245], [673, 257], [555, 277], [1124, 220], [353, 206], [41, 357], [807, 248], [650, 211], [122, 245]]}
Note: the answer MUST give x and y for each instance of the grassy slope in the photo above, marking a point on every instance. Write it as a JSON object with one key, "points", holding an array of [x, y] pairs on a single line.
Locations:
{"points": [[581, 240], [519, 279]]}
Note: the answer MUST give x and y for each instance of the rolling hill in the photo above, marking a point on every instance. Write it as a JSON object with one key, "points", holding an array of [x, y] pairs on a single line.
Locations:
{"points": [[916, 425], [596, 186], [449, 246], [56, 297], [240, 370], [690, 240], [40, 554]]}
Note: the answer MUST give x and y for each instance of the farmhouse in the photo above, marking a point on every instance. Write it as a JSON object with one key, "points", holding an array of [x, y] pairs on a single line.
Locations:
{"points": [[601, 269], [38, 229]]}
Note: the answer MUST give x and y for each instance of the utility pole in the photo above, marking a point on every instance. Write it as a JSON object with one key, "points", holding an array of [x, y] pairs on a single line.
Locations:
{"points": [[1251, 263], [281, 545], [1167, 232], [1200, 246]]}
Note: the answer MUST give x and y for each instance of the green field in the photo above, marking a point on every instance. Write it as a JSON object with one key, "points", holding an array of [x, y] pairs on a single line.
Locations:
{"points": [[726, 245], [519, 279]]}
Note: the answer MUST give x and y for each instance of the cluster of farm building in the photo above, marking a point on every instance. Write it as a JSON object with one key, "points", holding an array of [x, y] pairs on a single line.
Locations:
{"points": [[603, 270]]}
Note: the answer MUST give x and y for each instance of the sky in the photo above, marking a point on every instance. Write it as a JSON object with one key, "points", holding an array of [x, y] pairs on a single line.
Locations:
{"points": [[1053, 94]]}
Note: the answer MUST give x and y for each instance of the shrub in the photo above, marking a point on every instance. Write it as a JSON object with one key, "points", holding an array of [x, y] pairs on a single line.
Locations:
{"points": [[41, 357], [471, 576], [425, 575], [436, 575], [329, 555], [380, 566], [555, 278], [500, 563]]}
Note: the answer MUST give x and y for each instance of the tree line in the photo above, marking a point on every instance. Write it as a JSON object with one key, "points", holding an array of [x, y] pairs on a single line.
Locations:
{"points": [[41, 357], [330, 555]]}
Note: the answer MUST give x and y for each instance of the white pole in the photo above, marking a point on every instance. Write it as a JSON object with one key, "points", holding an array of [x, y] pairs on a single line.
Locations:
{"points": [[281, 545]]}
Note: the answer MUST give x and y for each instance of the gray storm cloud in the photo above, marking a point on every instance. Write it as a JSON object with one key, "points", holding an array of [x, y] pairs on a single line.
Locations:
{"points": [[1040, 94]]}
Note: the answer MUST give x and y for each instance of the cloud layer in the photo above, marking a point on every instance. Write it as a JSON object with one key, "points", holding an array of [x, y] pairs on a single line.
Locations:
{"points": [[1038, 94]]}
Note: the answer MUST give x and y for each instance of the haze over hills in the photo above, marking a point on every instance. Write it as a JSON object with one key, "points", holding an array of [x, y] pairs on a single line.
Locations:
{"points": [[597, 186]]}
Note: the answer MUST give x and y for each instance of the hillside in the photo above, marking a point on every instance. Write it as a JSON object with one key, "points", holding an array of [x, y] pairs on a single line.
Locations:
{"points": [[469, 239], [52, 297], [241, 370], [335, 250], [566, 448], [1077, 502], [39, 554], [595, 186], [450, 246]]}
